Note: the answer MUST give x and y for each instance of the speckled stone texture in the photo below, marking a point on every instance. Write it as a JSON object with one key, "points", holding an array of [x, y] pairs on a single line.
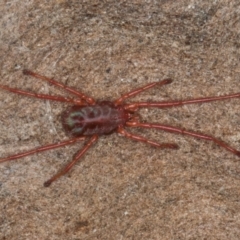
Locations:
{"points": [[121, 189]]}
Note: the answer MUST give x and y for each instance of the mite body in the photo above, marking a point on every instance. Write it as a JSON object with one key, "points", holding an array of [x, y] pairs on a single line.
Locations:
{"points": [[102, 118]]}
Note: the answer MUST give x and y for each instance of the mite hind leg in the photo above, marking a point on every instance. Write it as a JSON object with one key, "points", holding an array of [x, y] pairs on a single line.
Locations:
{"points": [[76, 158], [60, 85]]}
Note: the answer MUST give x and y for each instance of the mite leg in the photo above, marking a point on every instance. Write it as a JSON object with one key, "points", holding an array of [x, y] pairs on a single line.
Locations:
{"points": [[123, 132], [41, 149], [43, 96], [71, 164], [141, 89], [136, 105], [58, 84], [184, 132]]}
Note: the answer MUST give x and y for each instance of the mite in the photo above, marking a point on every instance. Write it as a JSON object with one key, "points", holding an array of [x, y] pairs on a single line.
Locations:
{"points": [[87, 119]]}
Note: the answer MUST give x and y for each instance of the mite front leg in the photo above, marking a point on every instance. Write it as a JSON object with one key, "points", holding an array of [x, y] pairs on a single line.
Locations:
{"points": [[141, 89], [136, 105], [135, 137], [184, 132]]}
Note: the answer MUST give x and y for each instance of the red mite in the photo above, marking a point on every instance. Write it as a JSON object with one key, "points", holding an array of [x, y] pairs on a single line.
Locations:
{"points": [[88, 119]]}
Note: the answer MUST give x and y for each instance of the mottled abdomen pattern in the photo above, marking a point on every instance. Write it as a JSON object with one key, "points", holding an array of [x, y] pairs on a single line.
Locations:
{"points": [[102, 118]]}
